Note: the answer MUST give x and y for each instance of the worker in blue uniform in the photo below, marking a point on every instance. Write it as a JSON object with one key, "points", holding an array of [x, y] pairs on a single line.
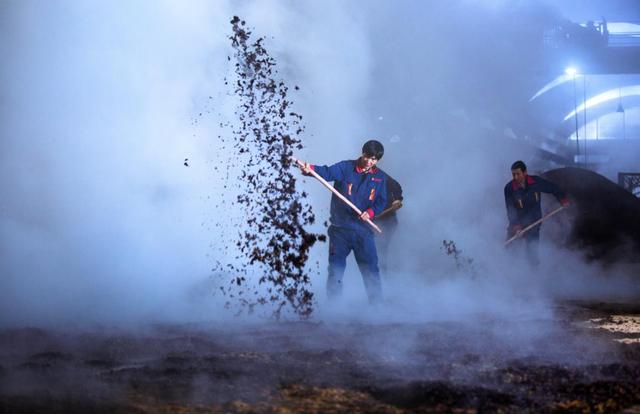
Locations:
{"points": [[362, 183], [388, 223], [522, 196]]}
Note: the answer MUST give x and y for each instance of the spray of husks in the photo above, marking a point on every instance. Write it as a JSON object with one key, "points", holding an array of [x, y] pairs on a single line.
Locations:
{"points": [[274, 243], [463, 263]]}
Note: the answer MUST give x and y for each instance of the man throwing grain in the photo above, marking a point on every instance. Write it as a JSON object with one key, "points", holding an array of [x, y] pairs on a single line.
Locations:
{"points": [[365, 186]]}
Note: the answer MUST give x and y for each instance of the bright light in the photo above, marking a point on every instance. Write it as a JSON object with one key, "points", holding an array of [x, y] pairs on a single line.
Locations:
{"points": [[571, 71]]}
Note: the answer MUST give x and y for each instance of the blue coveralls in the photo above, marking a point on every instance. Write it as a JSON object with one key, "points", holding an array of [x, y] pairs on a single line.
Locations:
{"points": [[367, 191], [523, 208], [388, 224]]}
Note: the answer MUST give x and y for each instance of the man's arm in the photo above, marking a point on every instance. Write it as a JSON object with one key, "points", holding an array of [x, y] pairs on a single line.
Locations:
{"points": [[551, 188], [512, 213], [334, 172], [394, 190]]}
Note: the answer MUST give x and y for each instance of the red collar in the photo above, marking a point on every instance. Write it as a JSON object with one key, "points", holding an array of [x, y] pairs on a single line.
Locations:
{"points": [[372, 170], [515, 185]]}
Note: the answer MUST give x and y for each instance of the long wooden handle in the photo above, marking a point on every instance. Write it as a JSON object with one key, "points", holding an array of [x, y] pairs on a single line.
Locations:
{"points": [[532, 225], [394, 206], [337, 193]]}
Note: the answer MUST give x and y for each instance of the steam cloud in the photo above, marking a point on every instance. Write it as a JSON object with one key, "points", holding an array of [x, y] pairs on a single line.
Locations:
{"points": [[101, 221]]}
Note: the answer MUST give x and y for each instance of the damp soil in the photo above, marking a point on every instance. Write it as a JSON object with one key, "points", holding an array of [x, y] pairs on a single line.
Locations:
{"points": [[576, 362]]}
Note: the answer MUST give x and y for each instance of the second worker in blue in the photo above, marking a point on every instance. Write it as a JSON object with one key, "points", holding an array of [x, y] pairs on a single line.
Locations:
{"points": [[522, 196]]}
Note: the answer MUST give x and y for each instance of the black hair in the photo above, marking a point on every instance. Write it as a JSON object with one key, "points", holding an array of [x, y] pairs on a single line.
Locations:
{"points": [[519, 165], [373, 148]]}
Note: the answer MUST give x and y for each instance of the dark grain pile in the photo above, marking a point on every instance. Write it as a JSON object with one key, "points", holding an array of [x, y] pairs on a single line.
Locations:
{"points": [[273, 242], [603, 219]]}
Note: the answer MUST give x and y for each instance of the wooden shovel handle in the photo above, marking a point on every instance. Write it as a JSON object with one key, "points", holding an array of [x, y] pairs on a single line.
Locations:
{"points": [[337, 193]]}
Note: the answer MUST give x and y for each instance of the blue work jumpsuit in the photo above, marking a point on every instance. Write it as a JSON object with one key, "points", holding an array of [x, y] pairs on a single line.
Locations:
{"points": [[367, 191], [523, 208]]}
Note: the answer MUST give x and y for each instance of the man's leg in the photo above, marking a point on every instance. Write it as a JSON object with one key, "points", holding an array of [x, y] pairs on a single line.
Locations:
{"points": [[533, 250], [367, 259], [383, 243], [339, 249]]}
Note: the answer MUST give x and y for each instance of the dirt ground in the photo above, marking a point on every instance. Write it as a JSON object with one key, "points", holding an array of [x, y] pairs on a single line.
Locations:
{"points": [[586, 358]]}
